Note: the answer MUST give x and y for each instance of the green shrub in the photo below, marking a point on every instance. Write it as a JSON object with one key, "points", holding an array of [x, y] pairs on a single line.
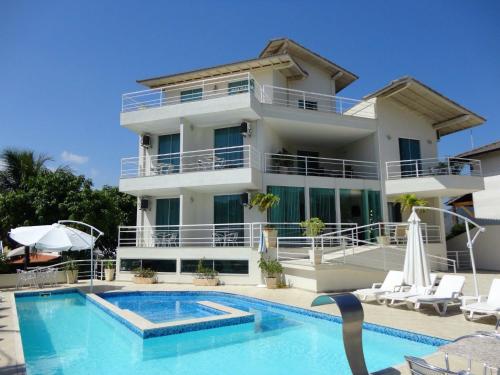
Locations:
{"points": [[146, 273], [271, 267], [313, 227], [203, 272]]}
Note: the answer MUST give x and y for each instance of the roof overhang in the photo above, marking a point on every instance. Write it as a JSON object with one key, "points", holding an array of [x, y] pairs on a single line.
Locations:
{"points": [[446, 115], [342, 76], [283, 62]]}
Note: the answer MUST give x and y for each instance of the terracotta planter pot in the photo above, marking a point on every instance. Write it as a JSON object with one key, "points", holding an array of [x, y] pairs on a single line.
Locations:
{"points": [[144, 280], [271, 282], [206, 282], [72, 276], [109, 274], [270, 236]]}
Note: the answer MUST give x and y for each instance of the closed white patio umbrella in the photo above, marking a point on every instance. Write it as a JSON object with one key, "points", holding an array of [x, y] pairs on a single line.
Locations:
{"points": [[416, 269]]}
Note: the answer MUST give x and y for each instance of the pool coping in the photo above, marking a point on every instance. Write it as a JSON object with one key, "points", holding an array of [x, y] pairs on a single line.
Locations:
{"points": [[147, 329], [20, 365]]}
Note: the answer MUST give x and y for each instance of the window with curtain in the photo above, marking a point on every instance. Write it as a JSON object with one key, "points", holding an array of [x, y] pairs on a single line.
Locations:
{"points": [[229, 137], [322, 204], [291, 209], [229, 210], [191, 95], [169, 145], [237, 87]]}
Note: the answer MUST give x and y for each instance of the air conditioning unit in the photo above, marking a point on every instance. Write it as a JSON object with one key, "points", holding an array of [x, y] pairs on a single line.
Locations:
{"points": [[144, 204], [245, 199], [245, 129], [146, 140]]}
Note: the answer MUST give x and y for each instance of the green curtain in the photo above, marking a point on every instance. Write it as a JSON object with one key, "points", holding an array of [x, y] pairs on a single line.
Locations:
{"points": [[371, 210], [351, 203], [291, 209], [167, 211], [169, 144], [229, 137], [322, 204], [229, 210]]}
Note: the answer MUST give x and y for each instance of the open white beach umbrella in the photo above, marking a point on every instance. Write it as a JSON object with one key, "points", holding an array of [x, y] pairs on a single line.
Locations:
{"points": [[55, 237], [262, 243], [416, 267]]}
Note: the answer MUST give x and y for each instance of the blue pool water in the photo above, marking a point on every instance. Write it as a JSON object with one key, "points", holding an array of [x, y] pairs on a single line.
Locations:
{"points": [[67, 334], [159, 308]]}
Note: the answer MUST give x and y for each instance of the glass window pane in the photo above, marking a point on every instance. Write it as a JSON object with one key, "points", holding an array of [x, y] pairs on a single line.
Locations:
{"points": [[239, 267], [129, 264], [322, 204], [191, 95], [160, 265], [351, 206]]}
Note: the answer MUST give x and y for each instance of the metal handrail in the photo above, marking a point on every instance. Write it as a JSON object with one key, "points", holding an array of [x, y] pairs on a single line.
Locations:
{"points": [[319, 166], [433, 167], [245, 156]]}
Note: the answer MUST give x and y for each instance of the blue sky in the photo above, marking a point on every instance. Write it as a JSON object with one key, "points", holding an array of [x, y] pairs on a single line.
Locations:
{"points": [[65, 64]]}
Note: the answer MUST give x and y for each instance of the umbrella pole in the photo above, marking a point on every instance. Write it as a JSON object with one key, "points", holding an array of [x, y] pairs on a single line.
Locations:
{"points": [[26, 257], [92, 261], [472, 262]]}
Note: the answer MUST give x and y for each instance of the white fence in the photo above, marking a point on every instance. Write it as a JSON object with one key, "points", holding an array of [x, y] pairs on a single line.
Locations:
{"points": [[209, 235], [191, 161], [433, 167], [228, 85], [319, 166]]}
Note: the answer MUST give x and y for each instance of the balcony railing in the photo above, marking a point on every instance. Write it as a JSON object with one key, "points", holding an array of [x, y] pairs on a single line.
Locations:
{"points": [[316, 102], [191, 161], [317, 166], [243, 83], [188, 92], [208, 235], [433, 167]]}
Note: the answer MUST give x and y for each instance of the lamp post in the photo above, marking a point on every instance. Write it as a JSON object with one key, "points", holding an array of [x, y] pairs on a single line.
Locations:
{"points": [[92, 230], [470, 241]]}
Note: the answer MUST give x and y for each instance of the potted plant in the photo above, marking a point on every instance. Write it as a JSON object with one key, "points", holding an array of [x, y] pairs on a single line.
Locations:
{"points": [[109, 270], [205, 276], [265, 201], [312, 228], [272, 269], [144, 276], [71, 270]]}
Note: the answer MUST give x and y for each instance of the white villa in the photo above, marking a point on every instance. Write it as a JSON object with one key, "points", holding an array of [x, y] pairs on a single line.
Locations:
{"points": [[210, 138]]}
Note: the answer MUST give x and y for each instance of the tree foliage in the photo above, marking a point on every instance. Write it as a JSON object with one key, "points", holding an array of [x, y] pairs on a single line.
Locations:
{"points": [[39, 196]]}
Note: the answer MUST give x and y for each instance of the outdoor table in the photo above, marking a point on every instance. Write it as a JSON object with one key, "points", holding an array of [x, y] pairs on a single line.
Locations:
{"points": [[481, 349]]}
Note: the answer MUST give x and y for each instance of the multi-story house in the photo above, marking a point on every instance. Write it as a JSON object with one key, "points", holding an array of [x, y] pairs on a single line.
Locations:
{"points": [[210, 138]]}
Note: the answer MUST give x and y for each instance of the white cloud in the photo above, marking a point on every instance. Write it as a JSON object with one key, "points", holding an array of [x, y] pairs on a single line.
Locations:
{"points": [[69, 157]]}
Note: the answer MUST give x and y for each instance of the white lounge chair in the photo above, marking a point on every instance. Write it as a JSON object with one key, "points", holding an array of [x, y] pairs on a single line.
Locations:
{"points": [[419, 366], [483, 305], [401, 296], [392, 280], [448, 292]]}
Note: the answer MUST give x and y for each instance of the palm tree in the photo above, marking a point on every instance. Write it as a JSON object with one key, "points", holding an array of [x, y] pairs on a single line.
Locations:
{"points": [[20, 165], [408, 201]]}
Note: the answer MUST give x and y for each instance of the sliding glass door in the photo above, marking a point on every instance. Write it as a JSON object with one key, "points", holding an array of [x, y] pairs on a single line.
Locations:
{"points": [[322, 204], [409, 151], [291, 209], [229, 138], [167, 218], [228, 210], [168, 149]]}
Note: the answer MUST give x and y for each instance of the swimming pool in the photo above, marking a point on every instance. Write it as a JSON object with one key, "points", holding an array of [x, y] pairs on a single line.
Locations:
{"points": [[66, 334], [161, 307]]}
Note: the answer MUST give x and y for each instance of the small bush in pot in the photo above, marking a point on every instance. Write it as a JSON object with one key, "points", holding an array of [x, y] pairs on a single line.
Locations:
{"points": [[144, 276], [205, 276], [71, 270], [272, 269], [109, 270], [312, 228]]}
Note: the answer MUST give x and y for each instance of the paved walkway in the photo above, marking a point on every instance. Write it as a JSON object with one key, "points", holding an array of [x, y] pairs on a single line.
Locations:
{"points": [[426, 322]]}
